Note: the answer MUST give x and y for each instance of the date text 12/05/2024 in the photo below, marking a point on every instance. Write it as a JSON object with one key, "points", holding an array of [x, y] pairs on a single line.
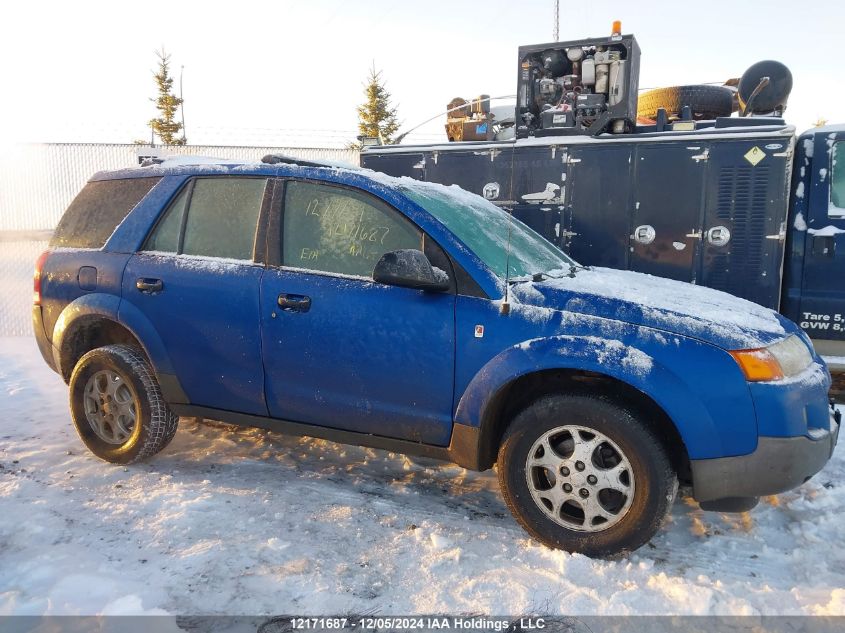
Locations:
{"points": [[416, 623]]}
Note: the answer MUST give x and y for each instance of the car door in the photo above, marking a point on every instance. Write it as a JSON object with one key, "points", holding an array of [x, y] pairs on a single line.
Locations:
{"points": [[339, 350], [197, 283]]}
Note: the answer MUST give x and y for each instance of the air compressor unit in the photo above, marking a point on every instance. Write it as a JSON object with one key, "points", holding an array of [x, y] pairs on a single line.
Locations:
{"points": [[579, 87]]}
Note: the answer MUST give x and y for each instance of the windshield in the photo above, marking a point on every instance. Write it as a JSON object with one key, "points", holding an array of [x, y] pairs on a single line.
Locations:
{"points": [[484, 228]]}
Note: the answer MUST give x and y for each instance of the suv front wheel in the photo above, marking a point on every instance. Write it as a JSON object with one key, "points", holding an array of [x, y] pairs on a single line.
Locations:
{"points": [[117, 406], [585, 474]]}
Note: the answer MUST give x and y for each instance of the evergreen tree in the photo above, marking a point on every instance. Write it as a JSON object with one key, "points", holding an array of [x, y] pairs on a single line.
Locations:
{"points": [[166, 126], [376, 116]]}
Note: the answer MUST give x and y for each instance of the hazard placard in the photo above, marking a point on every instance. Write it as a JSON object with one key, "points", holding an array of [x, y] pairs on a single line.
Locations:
{"points": [[755, 155]]}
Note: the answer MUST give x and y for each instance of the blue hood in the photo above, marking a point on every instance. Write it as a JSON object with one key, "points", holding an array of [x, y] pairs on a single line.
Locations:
{"points": [[672, 306]]}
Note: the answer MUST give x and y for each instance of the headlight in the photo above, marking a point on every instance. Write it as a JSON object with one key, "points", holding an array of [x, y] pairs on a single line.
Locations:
{"points": [[783, 359]]}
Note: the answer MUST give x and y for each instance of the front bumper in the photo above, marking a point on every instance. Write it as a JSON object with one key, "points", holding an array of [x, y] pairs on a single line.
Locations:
{"points": [[779, 464]]}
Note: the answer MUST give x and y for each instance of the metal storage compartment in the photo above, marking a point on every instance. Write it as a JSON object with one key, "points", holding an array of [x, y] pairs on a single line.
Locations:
{"points": [[707, 207]]}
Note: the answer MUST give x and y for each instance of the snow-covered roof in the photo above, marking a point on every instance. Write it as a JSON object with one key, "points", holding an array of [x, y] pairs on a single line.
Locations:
{"points": [[832, 127]]}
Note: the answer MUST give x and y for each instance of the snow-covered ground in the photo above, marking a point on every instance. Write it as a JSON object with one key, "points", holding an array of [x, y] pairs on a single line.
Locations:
{"points": [[241, 521]]}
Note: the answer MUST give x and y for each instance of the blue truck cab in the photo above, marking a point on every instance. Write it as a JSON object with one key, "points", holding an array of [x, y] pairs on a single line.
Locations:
{"points": [[419, 318], [814, 284]]}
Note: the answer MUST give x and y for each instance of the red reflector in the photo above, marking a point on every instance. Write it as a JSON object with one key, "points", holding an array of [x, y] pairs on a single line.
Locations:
{"points": [[36, 278]]}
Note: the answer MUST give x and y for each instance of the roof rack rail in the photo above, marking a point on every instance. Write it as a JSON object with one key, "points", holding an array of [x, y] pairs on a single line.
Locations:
{"points": [[180, 160], [275, 159]]}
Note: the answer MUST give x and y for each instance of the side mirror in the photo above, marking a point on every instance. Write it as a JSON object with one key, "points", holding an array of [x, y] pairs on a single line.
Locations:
{"points": [[409, 268]]}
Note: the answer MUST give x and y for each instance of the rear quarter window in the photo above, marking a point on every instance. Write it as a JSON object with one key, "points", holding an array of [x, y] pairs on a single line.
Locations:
{"points": [[98, 210]]}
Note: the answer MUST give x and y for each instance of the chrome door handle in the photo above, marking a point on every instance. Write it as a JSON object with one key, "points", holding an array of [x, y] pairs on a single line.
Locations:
{"points": [[719, 235], [644, 234]]}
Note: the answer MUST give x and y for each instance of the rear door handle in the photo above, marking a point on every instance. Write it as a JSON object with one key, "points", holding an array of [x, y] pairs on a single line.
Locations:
{"points": [[149, 286], [294, 303]]}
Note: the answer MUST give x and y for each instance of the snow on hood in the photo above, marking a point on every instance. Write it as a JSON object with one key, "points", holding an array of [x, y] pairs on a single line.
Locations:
{"points": [[681, 308]]}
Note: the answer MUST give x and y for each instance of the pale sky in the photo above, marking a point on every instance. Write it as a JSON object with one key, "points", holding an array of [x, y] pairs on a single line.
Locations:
{"points": [[292, 72]]}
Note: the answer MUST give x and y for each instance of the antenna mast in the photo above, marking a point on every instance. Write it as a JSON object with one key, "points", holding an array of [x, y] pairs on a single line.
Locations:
{"points": [[556, 33], [182, 104]]}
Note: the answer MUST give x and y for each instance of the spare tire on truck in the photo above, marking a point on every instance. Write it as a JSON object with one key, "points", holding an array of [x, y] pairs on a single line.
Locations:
{"points": [[706, 102]]}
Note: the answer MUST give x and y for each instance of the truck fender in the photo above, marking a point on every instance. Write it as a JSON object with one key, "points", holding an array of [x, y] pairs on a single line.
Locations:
{"points": [[607, 357]]}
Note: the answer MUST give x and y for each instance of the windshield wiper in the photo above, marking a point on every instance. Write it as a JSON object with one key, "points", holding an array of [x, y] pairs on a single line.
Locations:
{"points": [[535, 277], [540, 276], [573, 268]]}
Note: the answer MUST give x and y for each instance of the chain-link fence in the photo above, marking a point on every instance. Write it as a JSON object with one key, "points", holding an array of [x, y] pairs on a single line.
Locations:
{"points": [[17, 259], [38, 181]]}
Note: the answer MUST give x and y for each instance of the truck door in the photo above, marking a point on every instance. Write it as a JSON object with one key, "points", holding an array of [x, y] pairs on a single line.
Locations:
{"points": [[396, 164], [597, 214], [539, 188], [484, 171], [667, 206], [822, 313], [744, 230]]}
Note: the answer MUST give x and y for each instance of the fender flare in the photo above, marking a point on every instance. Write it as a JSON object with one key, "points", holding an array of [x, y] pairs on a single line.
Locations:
{"points": [[607, 357], [112, 308], [74, 315]]}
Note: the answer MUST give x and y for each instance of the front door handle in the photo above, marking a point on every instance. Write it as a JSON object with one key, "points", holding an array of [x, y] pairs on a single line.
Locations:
{"points": [[149, 286], [294, 303]]}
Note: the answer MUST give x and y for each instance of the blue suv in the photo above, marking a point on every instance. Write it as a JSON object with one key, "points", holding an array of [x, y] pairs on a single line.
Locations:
{"points": [[421, 319]]}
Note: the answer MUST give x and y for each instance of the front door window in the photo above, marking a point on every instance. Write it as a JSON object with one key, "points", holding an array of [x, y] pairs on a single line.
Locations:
{"points": [[341, 231]]}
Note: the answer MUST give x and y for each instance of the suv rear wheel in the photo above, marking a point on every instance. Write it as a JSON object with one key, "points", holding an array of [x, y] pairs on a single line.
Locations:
{"points": [[117, 406], [585, 474]]}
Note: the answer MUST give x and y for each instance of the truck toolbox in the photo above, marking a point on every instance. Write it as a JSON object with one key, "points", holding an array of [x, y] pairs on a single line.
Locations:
{"points": [[688, 206]]}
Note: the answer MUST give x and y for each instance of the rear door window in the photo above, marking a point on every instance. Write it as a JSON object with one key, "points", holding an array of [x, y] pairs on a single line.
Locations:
{"points": [[98, 210], [222, 216], [338, 230]]}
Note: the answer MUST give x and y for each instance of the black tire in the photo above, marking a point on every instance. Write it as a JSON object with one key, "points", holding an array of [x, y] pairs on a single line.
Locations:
{"points": [[652, 476], [154, 425], [706, 102]]}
